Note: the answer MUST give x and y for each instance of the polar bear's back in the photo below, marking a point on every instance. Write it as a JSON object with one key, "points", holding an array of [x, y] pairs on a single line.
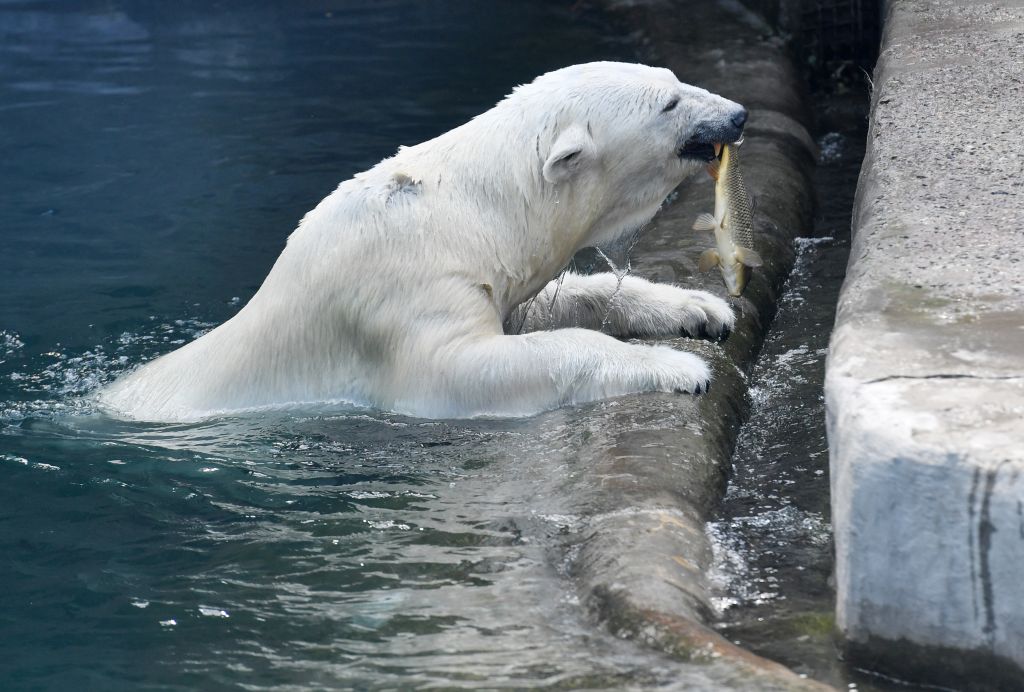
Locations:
{"points": [[355, 295], [430, 248]]}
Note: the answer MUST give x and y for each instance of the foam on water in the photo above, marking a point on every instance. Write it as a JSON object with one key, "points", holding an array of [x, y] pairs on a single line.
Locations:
{"points": [[763, 520], [61, 380]]}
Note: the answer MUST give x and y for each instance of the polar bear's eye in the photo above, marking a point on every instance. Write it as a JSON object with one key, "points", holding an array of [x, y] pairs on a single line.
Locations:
{"points": [[671, 104]]}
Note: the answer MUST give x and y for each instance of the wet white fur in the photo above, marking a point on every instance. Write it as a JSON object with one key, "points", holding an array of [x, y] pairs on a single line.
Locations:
{"points": [[393, 291]]}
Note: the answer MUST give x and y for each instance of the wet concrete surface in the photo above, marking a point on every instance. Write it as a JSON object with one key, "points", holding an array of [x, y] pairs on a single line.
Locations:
{"points": [[643, 567], [925, 379]]}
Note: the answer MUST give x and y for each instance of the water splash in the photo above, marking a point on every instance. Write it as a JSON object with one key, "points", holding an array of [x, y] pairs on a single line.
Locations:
{"points": [[832, 148], [620, 276], [620, 267], [10, 343], [554, 296], [59, 381]]}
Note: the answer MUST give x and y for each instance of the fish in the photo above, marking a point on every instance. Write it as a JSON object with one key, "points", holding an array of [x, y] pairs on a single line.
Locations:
{"points": [[732, 222]]}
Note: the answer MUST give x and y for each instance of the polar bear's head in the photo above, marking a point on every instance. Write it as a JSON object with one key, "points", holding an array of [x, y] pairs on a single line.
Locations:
{"points": [[620, 137]]}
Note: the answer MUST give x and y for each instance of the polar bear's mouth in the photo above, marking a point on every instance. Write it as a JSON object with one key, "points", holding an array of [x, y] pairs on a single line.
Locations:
{"points": [[698, 149], [706, 140]]}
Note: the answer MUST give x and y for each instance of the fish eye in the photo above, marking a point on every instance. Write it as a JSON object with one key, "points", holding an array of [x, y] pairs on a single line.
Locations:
{"points": [[671, 105]]}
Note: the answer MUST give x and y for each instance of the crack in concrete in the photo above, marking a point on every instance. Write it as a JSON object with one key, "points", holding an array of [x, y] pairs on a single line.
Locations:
{"points": [[943, 376]]}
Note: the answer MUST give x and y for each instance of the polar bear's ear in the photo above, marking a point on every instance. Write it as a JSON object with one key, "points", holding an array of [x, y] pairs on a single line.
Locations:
{"points": [[572, 150]]}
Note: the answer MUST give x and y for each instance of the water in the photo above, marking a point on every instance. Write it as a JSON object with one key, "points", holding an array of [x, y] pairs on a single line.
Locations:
{"points": [[772, 535], [156, 156], [328, 549]]}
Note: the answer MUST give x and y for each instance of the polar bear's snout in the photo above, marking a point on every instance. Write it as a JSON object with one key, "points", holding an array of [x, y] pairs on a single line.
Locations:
{"points": [[723, 129]]}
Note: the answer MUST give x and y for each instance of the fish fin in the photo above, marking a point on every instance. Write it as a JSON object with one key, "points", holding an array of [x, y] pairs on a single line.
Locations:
{"points": [[748, 257], [712, 169], [753, 205], [708, 259], [705, 222]]}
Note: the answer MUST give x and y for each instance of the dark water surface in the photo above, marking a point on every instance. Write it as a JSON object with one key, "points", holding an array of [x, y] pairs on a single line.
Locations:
{"points": [[772, 536], [155, 157]]}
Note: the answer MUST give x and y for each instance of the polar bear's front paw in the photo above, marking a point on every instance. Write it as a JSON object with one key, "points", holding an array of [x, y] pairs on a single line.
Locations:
{"points": [[676, 371], [703, 315]]}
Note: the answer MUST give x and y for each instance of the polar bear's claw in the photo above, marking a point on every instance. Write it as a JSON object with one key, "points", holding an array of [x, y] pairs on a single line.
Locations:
{"points": [[696, 389], [705, 316], [700, 332]]}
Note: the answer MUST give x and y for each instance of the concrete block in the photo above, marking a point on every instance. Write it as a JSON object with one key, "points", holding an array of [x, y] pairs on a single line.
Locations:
{"points": [[925, 378]]}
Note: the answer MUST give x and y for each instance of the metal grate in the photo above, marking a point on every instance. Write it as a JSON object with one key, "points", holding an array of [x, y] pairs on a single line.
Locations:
{"points": [[839, 30], [828, 36]]}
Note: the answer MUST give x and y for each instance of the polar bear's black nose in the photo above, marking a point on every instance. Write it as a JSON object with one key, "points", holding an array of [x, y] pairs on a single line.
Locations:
{"points": [[739, 117]]}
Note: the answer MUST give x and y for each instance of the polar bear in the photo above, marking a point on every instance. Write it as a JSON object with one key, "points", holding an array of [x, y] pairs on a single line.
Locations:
{"points": [[405, 288]]}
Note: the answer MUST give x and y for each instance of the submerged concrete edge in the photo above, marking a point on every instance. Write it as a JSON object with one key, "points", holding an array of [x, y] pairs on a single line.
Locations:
{"points": [[925, 376], [641, 567]]}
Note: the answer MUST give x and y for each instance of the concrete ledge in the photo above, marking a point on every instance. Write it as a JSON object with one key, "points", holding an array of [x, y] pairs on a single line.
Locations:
{"points": [[925, 378], [661, 462]]}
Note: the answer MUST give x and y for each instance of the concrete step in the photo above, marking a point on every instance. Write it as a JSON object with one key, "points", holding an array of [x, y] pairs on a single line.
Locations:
{"points": [[925, 378]]}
